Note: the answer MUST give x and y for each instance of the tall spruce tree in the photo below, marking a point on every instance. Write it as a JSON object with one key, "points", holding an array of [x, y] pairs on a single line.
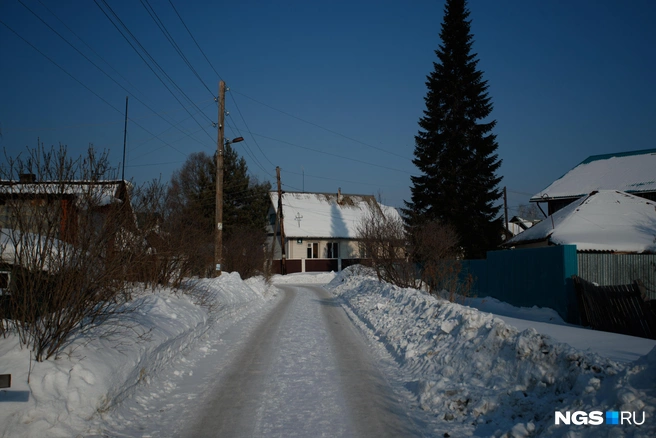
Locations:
{"points": [[455, 148]]}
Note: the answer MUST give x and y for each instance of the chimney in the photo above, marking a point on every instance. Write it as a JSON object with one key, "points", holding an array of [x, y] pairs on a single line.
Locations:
{"points": [[340, 198], [26, 178]]}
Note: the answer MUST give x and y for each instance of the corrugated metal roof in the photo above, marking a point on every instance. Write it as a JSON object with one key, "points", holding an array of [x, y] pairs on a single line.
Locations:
{"points": [[631, 172]]}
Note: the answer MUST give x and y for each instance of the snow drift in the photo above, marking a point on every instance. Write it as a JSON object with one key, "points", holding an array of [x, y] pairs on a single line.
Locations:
{"points": [[483, 377], [100, 369]]}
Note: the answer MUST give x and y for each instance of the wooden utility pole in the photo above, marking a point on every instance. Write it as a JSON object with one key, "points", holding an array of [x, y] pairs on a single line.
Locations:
{"points": [[505, 206], [283, 254], [218, 244]]}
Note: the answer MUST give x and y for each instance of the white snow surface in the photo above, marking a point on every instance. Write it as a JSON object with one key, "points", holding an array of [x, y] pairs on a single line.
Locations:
{"points": [[483, 377], [27, 248], [97, 372], [627, 173], [319, 215], [304, 278], [608, 220], [472, 371]]}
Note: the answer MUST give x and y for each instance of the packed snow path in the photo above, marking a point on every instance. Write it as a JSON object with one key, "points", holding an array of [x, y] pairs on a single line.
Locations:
{"points": [[304, 371]]}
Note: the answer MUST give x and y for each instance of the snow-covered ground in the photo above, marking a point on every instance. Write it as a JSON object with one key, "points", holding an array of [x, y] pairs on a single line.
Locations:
{"points": [[483, 377], [97, 372], [472, 370]]}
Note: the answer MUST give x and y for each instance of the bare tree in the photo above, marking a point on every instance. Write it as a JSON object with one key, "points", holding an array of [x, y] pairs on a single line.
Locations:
{"points": [[63, 240], [383, 241], [428, 257]]}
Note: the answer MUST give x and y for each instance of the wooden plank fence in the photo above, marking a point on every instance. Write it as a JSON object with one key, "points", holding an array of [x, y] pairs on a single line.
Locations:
{"points": [[618, 309]]}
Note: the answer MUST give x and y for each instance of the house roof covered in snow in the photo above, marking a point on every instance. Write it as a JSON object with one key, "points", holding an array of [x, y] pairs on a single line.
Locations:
{"points": [[99, 192], [608, 220], [631, 172], [325, 215]]}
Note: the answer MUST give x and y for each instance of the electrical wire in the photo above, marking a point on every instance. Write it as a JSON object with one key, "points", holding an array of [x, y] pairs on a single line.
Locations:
{"points": [[219, 76], [94, 64], [171, 40], [324, 128], [153, 61], [334, 155], [337, 180], [82, 84]]}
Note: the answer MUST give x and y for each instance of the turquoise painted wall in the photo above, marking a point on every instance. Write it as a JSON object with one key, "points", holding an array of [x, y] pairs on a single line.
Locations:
{"points": [[529, 277]]}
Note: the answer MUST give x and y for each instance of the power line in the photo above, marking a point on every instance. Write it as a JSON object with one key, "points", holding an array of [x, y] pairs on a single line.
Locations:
{"points": [[95, 65], [169, 37], [249, 130], [324, 128], [81, 83], [152, 60], [334, 155], [248, 150], [219, 76], [335, 179], [88, 46], [194, 39]]}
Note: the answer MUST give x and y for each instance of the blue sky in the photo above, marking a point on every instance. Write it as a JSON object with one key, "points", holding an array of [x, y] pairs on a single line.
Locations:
{"points": [[333, 90]]}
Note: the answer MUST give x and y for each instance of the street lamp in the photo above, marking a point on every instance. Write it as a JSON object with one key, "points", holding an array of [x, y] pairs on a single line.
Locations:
{"points": [[234, 140]]}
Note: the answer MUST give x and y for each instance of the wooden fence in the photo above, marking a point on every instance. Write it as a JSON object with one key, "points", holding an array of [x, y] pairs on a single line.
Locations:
{"points": [[618, 309]]}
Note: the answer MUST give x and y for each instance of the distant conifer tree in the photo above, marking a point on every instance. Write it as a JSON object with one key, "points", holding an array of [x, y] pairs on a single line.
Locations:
{"points": [[455, 149]]}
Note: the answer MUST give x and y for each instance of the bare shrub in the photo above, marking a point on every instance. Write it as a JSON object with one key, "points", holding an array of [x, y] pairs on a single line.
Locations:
{"points": [[61, 242], [437, 250], [429, 256], [244, 251], [383, 241], [157, 259]]}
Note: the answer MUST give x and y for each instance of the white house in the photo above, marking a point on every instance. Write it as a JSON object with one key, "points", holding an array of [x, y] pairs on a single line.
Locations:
{"points": [[319, 229]]}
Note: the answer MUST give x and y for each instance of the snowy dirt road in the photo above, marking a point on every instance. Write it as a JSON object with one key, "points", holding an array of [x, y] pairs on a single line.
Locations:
{"points": [[305, 370]]}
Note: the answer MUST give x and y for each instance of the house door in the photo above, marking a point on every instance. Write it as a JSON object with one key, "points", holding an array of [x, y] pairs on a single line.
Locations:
{"points": [[312, 250]]}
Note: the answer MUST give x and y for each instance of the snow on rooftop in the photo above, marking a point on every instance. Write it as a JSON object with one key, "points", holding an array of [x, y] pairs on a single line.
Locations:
{"points": [[608, 220], [319, 215], [102, 192], [630, 172]]}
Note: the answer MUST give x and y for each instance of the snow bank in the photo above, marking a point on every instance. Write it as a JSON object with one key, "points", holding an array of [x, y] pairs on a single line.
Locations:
{"points": [[483, 377], [104, 367], [535, 313], [304, 278]]}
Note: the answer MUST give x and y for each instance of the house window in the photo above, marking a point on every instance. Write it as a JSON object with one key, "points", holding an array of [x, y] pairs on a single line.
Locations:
{"points": [[272, 219], [312, 250], [5, 278], [332, 250]]}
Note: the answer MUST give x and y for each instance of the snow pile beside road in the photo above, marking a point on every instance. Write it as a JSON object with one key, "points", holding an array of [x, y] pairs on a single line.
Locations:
{"points": [[483, 377], [535, 313], [104, 366], [304, 278]]}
